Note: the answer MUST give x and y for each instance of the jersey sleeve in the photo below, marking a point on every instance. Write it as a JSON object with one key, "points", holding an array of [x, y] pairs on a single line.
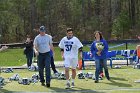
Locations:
{"points": [[79, 44]]}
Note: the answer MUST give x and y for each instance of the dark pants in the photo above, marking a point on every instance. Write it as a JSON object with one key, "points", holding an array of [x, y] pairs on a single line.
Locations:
{"points": [[83, 64], [44, 60], [101, 67], [53, 65], [29, 57], [98, 63]]}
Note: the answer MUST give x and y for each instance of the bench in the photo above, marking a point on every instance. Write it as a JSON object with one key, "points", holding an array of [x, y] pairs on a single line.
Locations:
{"points": [[111, 55]]}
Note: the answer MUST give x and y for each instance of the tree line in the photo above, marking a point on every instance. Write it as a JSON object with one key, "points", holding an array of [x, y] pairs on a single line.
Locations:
{"points": [[117, 19]]}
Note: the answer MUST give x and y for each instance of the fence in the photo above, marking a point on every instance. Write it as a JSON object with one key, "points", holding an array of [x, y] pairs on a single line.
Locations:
{"points": [[112, 44]]}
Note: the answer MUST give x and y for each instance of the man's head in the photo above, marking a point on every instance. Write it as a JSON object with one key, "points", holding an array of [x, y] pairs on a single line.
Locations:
{"points": [[42, 30], [69, 33]]}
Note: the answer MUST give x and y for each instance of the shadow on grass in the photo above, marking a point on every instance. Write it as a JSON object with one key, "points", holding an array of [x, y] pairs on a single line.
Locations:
{"points": [[116, 78], [119, 68], [76, 89], [4, 91], [117, 83]]}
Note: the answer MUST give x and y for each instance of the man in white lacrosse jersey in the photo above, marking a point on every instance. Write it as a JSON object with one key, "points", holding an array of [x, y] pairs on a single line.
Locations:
{"points": [[69, 50]]}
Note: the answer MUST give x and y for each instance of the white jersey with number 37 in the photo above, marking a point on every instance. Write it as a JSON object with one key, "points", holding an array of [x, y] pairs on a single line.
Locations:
{"points": [[70, 46]]}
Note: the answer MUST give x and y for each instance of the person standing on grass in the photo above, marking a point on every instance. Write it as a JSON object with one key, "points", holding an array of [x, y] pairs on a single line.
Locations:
{"points": [[52, 63], [138, 54], [99, 50], [42, 46], [28, 51], [69, 46], [51, 52]]}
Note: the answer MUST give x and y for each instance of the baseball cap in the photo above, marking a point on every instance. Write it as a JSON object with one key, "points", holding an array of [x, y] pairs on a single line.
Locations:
{"points": [[42, 29]]}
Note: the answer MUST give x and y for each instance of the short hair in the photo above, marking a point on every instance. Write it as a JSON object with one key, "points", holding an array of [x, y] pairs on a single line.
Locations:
{"points": [[69, 29]]}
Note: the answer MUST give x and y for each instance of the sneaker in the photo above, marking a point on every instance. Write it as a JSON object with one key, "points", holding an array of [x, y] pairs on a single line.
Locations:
{"points": [[56, 74], [48, 84], [108, 78], [100, 78], [67, 85], [72, 85], [29, 68], [42, 83], [55, 71], [96, 81]]}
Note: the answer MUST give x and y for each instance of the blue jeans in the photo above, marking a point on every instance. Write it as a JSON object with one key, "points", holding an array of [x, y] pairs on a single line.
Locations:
{"points": [[44, 61], [98, 63]]}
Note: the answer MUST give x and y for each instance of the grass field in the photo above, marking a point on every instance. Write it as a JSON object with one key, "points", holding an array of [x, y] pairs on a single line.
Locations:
{"points": [[122, 81], [15, 57]]}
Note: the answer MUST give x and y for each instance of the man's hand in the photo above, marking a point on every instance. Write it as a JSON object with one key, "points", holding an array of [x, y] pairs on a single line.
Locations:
{"points": [[36, 53], [63, 57]]}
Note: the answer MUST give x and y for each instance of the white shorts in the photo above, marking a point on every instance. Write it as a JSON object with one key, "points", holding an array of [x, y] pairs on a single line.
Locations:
{"points": [[71, 62]]}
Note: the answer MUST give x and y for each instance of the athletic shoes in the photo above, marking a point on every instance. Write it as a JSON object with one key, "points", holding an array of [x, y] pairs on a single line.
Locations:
{"points": [[72, 85], [42, 83], [29, 68], [48, 84], [108, 78], [67, 85], [96, 81], [56, 74]]}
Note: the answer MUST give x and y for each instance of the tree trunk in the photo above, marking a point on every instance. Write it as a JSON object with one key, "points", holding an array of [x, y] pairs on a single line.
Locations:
{"points": [[83, 18], [33, 14]]}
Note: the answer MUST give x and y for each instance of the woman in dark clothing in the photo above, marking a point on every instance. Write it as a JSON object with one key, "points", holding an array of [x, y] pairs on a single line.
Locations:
{"points": [[29, 51]]}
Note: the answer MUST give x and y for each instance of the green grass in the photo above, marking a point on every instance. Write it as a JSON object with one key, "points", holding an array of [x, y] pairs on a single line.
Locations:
{"points": [[122, 81], [12, 57], [15, 57], [131, 46]]}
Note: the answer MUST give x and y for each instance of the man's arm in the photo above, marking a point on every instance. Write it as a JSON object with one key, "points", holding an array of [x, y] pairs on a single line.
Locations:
{"points": [[62, 53], [80, 51], [52, 48], [36, 50]]}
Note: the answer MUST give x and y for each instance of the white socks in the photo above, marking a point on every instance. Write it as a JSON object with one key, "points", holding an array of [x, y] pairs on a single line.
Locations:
{"points": [[68, 81], [72, 80]]}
